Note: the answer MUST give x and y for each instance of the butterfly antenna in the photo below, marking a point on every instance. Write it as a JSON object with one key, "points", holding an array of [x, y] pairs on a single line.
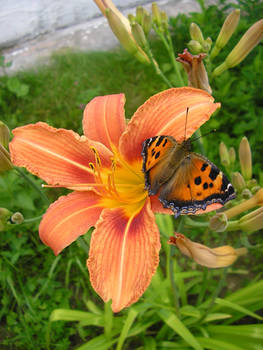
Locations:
{"points": [[209, 132], [187, 110]]}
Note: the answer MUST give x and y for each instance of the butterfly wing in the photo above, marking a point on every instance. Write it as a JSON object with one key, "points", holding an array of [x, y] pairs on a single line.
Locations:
{"points": [[157, 152], [196, 184]]}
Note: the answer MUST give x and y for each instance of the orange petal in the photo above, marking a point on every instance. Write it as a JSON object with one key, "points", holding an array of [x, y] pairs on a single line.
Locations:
{"points": [[165, 114], [68, 218], [104, 119], [123, 255], [58, 156]]}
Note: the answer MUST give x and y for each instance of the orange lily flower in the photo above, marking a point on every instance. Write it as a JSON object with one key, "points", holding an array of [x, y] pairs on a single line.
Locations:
{"points": [[104, 170]]}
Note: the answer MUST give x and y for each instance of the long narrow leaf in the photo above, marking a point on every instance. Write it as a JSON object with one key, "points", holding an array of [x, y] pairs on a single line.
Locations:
{"points": [[127, 325], [98, 343], [86, 318], [235, 306], [173, 322], [214, 344]]}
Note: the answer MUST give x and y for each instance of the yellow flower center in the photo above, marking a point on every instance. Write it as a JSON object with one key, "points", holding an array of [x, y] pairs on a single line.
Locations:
{"points": [[122, 185]]}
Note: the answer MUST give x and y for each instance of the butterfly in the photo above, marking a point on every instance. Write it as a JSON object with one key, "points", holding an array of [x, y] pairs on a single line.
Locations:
{"points": [[186, 182]]}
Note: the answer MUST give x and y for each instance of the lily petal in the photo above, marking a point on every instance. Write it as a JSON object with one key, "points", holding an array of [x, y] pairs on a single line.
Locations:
{"points": [[104, 119], [157, 206], [68, 218], [165, 114], [58, 156], [123, 255]]}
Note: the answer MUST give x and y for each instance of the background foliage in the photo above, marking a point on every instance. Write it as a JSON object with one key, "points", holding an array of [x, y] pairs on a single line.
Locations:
{"points": [[34, 282]]}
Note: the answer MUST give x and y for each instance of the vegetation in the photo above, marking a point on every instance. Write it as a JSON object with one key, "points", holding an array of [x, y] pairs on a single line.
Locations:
{"points": [[46, 301]]}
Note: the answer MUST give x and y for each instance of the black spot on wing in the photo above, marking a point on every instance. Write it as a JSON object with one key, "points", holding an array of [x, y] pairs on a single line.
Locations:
{"points": [[204, 166], [205, 186], [211, 185], [198, 180], [159, 141], [157, 155], [213, 173], [165, 142]]}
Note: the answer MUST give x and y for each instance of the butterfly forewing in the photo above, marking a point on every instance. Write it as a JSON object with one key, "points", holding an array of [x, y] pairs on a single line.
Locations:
{"points": [[186, 181]]}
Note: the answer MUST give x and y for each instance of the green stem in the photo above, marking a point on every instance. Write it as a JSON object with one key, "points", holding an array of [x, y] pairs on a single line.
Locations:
{"points": [[32, 219], [169, 47], [192, 223], [155, 65], [31, 183]]}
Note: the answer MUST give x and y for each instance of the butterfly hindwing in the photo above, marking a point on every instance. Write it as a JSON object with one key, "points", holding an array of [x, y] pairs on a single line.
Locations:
{"points": [[186, 182]]}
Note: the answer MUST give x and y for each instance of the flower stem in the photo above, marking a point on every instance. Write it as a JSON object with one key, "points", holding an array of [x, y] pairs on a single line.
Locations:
{"points": [[32, 184], [32, 219]]}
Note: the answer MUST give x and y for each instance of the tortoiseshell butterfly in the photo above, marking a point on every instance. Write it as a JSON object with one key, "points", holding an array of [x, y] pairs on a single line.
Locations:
{"points": [[185, 181]]}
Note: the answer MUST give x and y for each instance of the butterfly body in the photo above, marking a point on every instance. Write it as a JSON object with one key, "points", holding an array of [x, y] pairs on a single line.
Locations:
{"points": [[186, 182]]}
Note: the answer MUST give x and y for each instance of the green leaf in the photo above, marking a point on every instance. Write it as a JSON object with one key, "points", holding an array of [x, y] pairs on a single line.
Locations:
{"points": [[97, 343], [215, 317], [214, 344], [127, 325], [86, 318], [248, 337], [173, 322], [235, 306]]}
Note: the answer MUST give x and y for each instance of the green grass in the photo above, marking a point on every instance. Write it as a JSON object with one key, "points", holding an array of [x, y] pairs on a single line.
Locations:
{"points": [[35, 284]]}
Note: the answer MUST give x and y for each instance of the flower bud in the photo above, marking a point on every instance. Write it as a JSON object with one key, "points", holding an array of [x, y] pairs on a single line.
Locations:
{"points": [[255, 189], [131, 18], [238, 181], [259, 197], [156, 14], [4, 217], [17, 218], [224, 155], [195, 47], [252, 221], [139, 14], [246, 193], [4, 134], [207, 44], [164, 20], [205, 256], [232, 155], [218, 222], [245, 45], [226, 31], [138, 34], [196, 33], [5, 162], [147, 23], [245, 158]]}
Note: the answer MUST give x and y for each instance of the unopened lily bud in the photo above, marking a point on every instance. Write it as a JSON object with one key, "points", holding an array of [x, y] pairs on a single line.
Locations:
{"points": [[5, 162], [252, 221], [255, 189], [4, 134], [122, 29], [139, 14], [17, 218], [196, 33], [252, 183], [156, 13], [232, 155], [147, 23], [205, 256], [195, 47], [245, 45], [4, 217], [245, 158], [238, 181], [138, 34], [207, 44], [259, 197], [218, 222], [226, 32], [131, 18], [164, 19], [224, 155], [246, 193]]}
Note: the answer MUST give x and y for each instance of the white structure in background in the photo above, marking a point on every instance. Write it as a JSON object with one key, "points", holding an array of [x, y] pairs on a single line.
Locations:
{"points": [[30, 30]]}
